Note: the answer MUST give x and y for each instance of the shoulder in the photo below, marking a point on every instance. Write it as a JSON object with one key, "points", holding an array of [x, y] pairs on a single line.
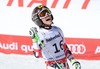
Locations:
{"points": [[56, 28]]}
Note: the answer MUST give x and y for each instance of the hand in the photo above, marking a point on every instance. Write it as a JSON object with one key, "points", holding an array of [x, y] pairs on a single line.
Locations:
{"points": [[32, 33], [76, 64]]}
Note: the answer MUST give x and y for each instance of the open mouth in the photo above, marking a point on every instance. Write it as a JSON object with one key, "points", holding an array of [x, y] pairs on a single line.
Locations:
{"points": [[48, 19]]}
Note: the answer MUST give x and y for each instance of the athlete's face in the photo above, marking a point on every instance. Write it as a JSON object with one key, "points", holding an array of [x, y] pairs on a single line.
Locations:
{"points": [[45, 16], [47, 20]]}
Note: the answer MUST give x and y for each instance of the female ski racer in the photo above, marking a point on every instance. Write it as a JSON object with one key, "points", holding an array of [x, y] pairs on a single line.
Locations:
{"points": [[48, 41]]}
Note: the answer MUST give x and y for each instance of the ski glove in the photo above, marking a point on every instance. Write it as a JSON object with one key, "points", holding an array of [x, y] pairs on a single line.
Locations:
{"points": [[76, 64], [33, 31]]}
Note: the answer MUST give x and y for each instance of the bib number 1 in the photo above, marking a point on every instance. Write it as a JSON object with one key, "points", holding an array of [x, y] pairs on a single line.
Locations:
{"points": [[56, 47]]}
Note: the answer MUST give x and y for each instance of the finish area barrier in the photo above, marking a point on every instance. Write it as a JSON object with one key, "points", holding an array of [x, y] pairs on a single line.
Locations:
{"points": [[82, 48]]}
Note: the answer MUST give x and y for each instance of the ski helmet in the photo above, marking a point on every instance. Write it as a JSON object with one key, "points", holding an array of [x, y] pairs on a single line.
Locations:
{"points": [[36, 15]]}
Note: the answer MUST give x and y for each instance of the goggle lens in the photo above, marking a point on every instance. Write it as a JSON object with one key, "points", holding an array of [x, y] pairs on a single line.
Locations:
{"points": [[44, 12]]}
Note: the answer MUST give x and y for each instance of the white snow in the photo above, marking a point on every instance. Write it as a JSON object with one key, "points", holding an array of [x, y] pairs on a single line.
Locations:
{"points": [[13, 61]]}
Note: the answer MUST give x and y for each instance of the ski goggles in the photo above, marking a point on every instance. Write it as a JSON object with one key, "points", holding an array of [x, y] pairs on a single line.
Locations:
{"points": [[44, 13]]}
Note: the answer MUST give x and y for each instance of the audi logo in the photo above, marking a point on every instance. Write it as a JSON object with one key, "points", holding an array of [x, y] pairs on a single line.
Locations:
{"points": [[77, 48]]}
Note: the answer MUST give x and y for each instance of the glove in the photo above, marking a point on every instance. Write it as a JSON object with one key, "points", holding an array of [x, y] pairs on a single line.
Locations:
{"points": [[33, 31], [76, 64]]}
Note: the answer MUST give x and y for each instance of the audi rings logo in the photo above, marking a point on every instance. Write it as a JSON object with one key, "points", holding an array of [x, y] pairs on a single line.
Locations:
{"points": [[77, 48]]}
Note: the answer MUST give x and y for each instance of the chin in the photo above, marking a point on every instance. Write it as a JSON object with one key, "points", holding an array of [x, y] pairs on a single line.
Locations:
{"points": [[49, 22]]}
